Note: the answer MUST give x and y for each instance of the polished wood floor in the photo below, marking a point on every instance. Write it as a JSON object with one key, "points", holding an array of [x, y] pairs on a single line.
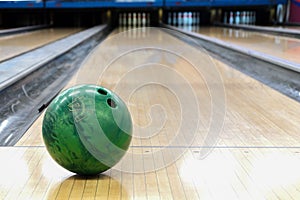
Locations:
{"points": [[255, 155], [279, 46], [11, 46]]}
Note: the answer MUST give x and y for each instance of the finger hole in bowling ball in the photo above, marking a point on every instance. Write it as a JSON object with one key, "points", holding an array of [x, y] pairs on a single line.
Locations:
{"points": [[111, 103], [101, 91]]}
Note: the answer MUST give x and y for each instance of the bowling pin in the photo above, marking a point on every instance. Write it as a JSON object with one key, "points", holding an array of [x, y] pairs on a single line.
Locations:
{"points": [[237, 17], [179, 19], [174, 19], [185, 18], [134, 19], [190, 19], [279, 13], [143, 19], [231, 18], [194, 14], [247, 18], [129, 19], [243, 17]]}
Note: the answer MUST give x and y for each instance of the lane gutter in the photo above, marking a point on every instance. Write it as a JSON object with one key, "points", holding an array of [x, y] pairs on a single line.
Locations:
{"points": [[24, 98], [256, 54]]}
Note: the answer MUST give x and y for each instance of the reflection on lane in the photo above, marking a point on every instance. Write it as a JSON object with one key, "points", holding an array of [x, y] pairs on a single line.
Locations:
{"points": [[279, 46]]}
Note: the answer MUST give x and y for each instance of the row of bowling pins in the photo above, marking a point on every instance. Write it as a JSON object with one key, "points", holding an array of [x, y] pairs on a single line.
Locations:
{"points": [[134, 19], [244, 17], [183, 18]]}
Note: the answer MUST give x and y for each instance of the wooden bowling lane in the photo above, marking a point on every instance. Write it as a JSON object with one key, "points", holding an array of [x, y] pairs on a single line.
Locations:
{"points": [[256, 154], [29, 173], [14, 45], [278, 46]]}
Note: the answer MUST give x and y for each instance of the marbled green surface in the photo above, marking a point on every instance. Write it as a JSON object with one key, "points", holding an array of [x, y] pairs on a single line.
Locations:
{"points": [[84, 132]]}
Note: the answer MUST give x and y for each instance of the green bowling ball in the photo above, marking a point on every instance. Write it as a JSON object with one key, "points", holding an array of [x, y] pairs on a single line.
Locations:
{"points": [[87, 129]]}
